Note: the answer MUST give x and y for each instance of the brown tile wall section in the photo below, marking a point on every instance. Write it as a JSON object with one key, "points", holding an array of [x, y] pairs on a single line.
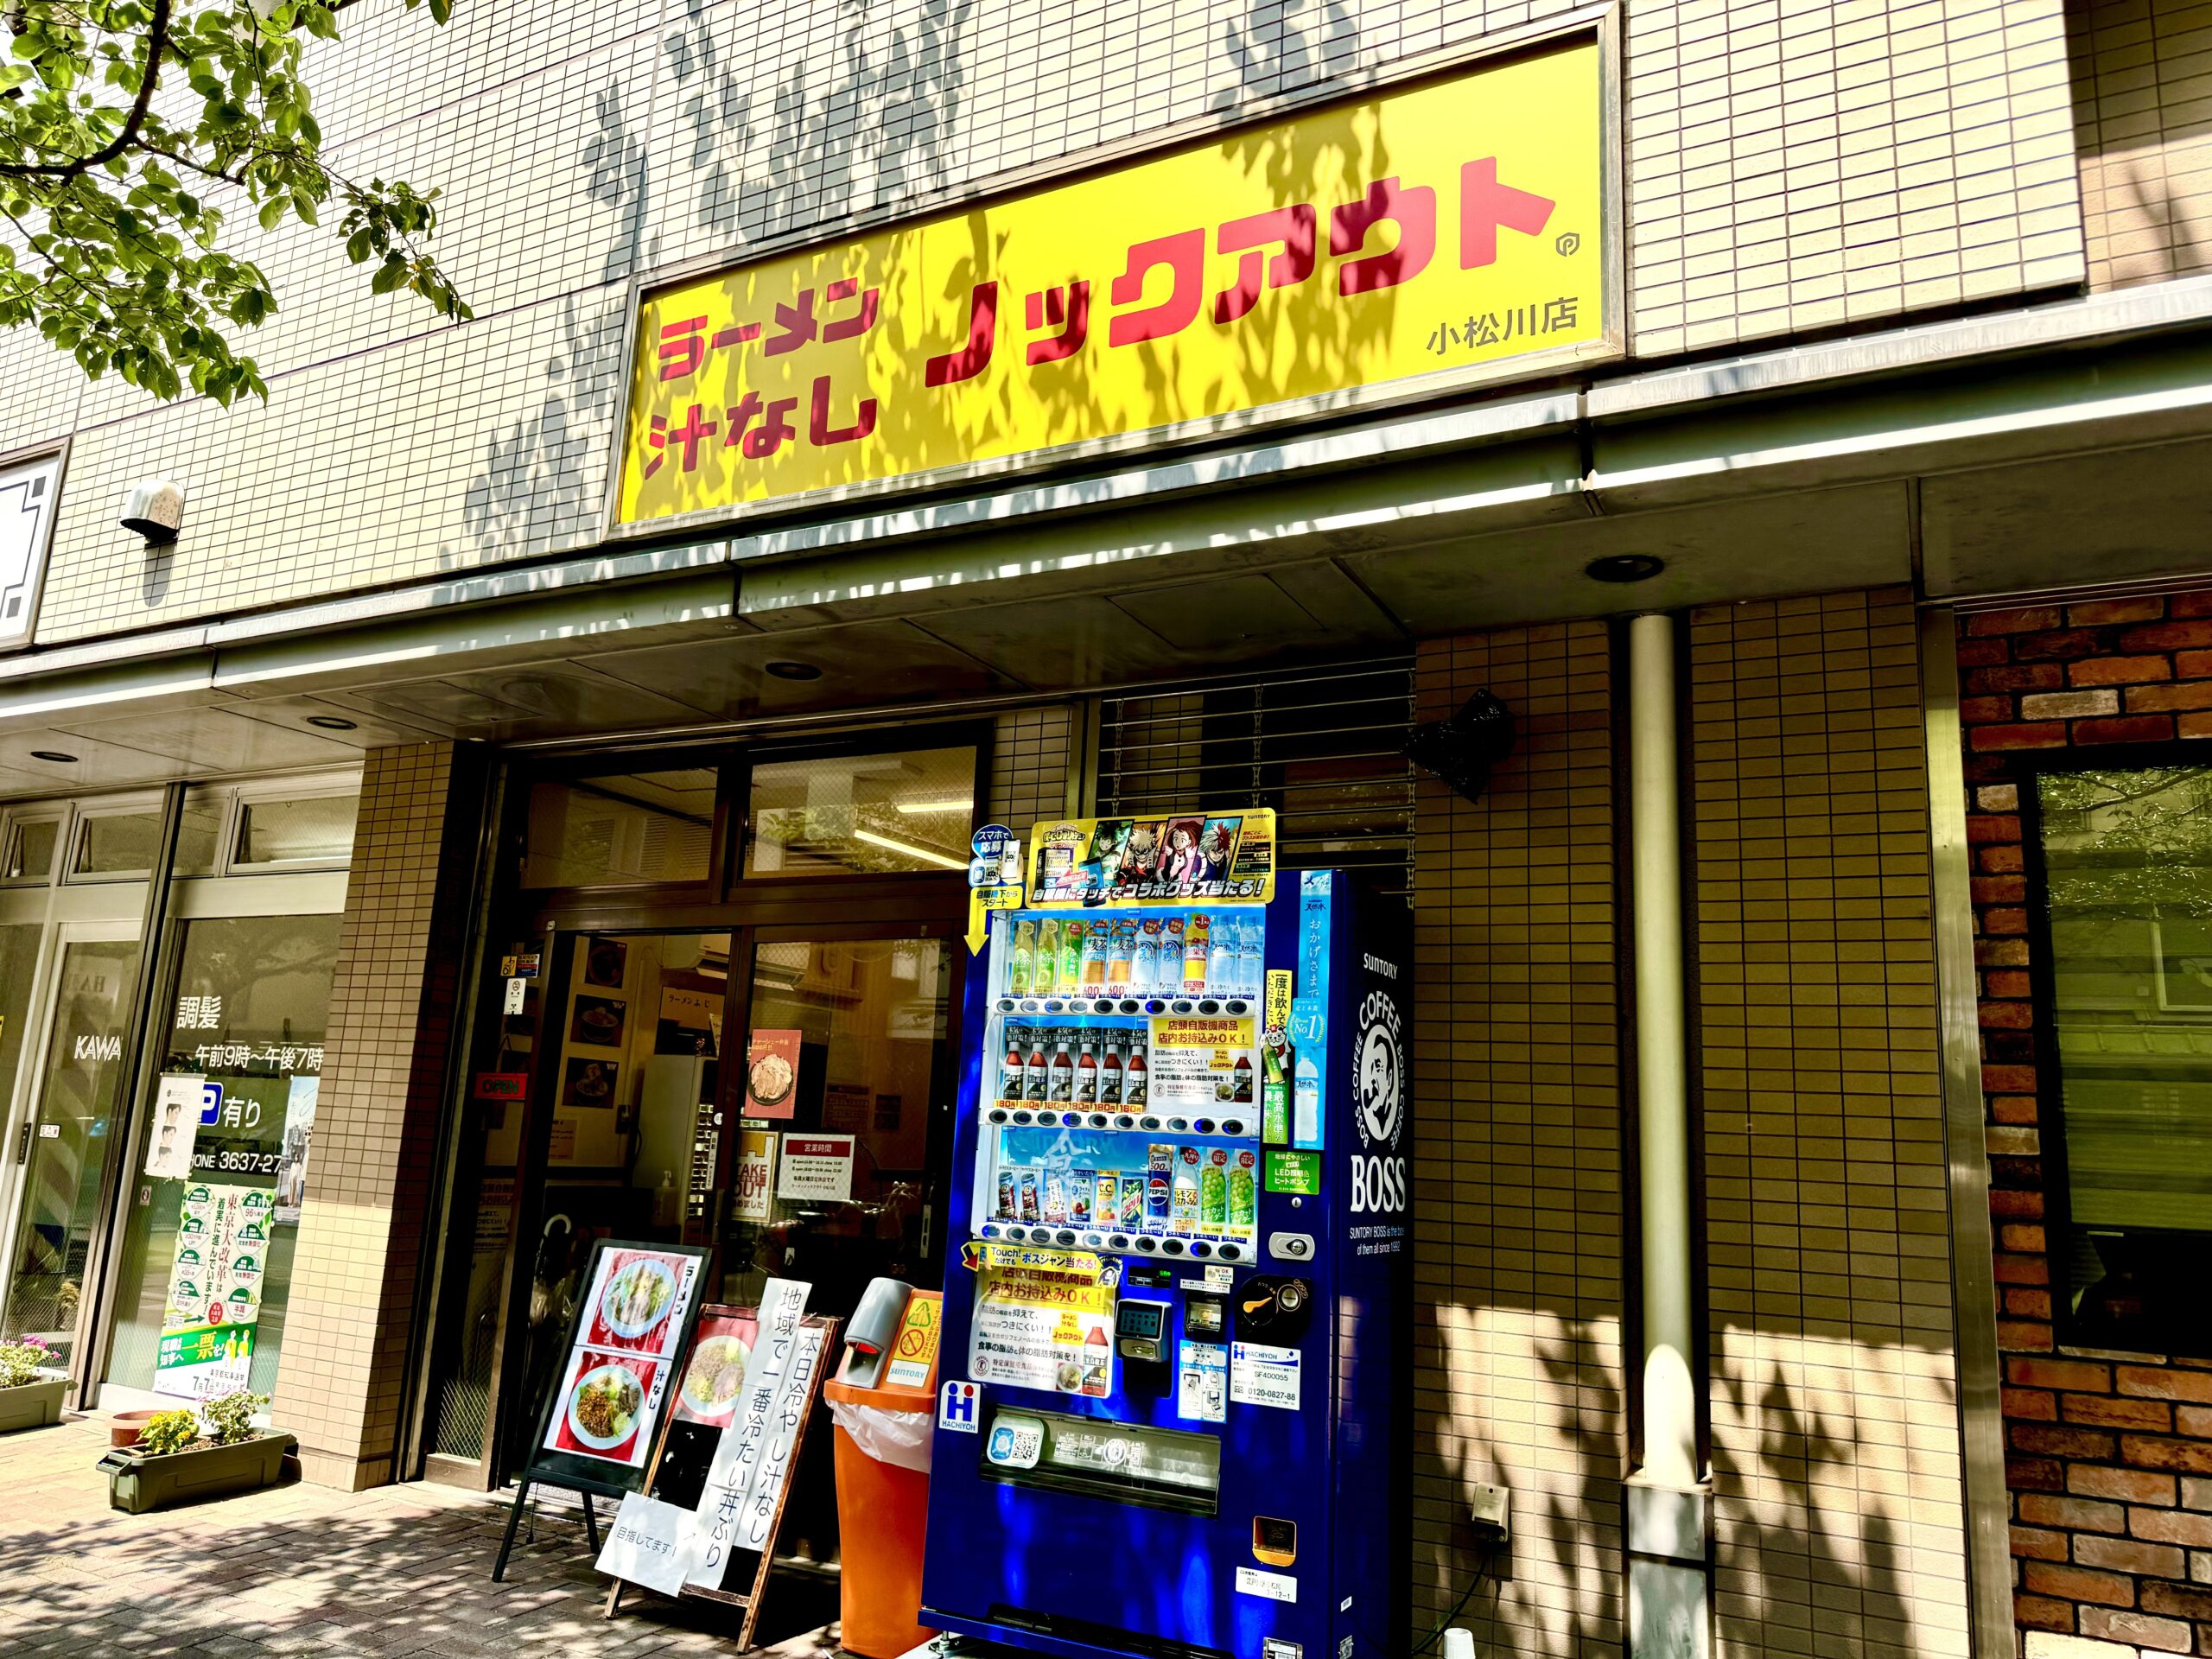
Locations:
{"points": [[362, 1231], [1517, 1118], [2110, 1459], [2142, 73], [1839, 1510]]}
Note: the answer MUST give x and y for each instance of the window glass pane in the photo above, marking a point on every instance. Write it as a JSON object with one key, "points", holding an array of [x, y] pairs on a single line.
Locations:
{"points": [[637, 827], [317, 830], [120, 843], [30, 849], [75, 1093], [2128, 859], [252, 1004], [837, 815], [197, 832]]}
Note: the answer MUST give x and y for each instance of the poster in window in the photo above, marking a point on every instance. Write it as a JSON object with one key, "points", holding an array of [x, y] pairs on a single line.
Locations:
{"points": [[597, 1021], [213, 1300], [772, 1073], [589, 1083], [606, 963], [756, 1175]]}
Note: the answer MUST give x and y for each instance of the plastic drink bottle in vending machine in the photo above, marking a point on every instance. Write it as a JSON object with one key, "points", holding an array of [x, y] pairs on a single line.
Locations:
{"points": [[1136, 1083], [1010, 1081], [1037, 1076], [1045, 973], [1022, 961], [1072, 936], [1196, 933], [1144, 973], [1061, 1090], [1086, 1079], [1109, 1075], [1097, 943]]}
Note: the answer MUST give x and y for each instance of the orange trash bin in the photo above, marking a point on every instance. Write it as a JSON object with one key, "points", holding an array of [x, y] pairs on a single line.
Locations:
{"points": [[883, 1501]]}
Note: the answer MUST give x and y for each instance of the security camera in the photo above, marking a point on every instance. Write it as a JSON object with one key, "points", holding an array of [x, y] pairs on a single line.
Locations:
{"points": [[155, 509]]}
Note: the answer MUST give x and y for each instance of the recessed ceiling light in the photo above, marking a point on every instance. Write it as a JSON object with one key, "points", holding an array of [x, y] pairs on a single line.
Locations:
{"points": [[923, 809], [55, 755], [331, 722], [795, 671], [1624, 567]]}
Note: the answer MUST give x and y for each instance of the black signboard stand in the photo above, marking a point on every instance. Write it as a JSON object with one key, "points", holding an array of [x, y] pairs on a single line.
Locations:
{"points": [[589, 1477]]}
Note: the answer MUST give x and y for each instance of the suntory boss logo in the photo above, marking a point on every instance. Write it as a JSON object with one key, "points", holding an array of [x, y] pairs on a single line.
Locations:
{"points": [[1378, 1175]]}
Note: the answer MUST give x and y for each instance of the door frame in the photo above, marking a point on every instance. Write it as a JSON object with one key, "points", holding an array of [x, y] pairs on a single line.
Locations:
{"points": [[31, 1078], [826, 908]]}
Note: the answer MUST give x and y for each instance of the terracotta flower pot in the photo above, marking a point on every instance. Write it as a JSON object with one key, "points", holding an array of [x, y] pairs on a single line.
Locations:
{"points": [[124, 1427]]}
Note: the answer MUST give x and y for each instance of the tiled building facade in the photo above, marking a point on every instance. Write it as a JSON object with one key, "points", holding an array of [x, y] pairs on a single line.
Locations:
{"points": [[1793, 177]]}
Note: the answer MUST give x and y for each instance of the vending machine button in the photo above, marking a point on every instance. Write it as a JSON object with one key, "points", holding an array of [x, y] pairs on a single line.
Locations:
{"points": [[998, 1114], [1125, 1122], [1130, 1004], [1022, 1117], [1065, 1236], [1181, 1005], [1006, 1005], [1031, 1005], [1209, 1006], [1232, 1125], [989, 1230], [1203, 1126], [1199, 1247], [1147, 1245], [1291, 1246], [1015, 1233], [1154, 1005], [1099, 1119], [1173, 1246], [1093, 1240], [1053, 1005], [1236, 1005], [1118, 1242], [1070, 1120], [1178, 1124], [1232, 1252], [1151, 1122]]}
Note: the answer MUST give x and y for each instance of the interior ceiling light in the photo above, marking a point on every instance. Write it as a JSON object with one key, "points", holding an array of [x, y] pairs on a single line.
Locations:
{"points": [[796, 671], [927, 855], [1624, 567], [331, 722], [917, 809], [60, 758]]}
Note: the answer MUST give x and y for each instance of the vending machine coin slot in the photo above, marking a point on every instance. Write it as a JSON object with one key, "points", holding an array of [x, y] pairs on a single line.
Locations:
{"points": [[1204, 1319], [1274, 1541]]}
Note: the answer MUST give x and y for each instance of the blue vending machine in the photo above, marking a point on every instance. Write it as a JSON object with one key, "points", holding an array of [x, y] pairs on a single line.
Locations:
{"points": [[1175, 1421]]}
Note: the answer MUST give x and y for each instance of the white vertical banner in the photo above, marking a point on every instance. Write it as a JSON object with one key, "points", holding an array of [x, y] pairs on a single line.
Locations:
{"points": [[741, 1452], [794, 1392]]}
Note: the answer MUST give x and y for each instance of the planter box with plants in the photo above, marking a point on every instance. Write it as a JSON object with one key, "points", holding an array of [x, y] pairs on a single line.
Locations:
{"points": [[182, 1456], [29, 1397]]}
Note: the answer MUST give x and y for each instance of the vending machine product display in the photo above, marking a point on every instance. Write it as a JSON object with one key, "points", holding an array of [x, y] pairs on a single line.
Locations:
{"points": [[1175, 1417]]}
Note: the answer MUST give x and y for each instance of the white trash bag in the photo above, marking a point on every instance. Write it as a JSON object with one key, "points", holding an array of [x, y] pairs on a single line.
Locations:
{"points": [[894, 1437]]}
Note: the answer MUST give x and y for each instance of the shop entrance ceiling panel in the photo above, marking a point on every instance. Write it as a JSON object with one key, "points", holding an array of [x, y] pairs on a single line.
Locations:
{"points": [[521, 701], [865, 664], [1816, 541], [213, 740], [2113, 516]]}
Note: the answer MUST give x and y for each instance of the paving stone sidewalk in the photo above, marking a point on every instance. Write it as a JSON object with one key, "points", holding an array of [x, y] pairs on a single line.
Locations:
{"points": [[301, 1569]]}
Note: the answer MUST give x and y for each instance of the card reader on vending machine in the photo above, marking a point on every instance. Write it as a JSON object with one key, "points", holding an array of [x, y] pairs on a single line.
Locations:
{"points": [[1180, 1298], [1140, 1331]]}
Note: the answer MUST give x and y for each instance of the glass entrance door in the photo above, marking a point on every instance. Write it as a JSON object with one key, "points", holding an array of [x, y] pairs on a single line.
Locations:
{"points": [[78, 1088], [849, 1067]]}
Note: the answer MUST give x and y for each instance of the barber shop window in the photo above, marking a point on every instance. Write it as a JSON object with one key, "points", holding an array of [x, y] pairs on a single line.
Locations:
{"points": [[2127, 868]]}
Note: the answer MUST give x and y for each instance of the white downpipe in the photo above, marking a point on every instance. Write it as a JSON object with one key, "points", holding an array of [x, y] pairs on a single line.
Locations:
{"points": [[1663, 1069]]}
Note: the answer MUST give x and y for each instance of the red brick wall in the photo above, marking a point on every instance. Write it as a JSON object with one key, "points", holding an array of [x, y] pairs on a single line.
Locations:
{"points": [[2110, 1459]]}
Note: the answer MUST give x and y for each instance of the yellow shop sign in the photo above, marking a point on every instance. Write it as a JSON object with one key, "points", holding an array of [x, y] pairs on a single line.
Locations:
{"points": [[1401, 244]]}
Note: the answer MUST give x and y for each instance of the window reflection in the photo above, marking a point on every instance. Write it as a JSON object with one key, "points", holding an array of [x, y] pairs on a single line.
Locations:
{"points": [[634, 828], [868, 814]]}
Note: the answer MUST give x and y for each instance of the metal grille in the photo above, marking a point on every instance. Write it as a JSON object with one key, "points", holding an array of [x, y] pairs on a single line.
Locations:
{"points": [[1323, 746]]}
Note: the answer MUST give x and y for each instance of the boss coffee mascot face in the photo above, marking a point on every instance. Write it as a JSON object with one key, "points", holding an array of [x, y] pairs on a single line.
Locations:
{"points": [[1378, 1173]]}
